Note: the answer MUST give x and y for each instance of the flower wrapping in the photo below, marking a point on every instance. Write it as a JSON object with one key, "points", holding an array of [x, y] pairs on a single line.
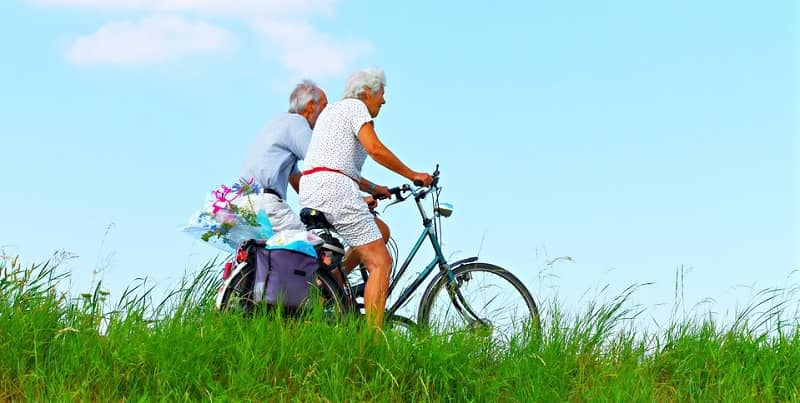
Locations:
{"points": [[225, 224]]}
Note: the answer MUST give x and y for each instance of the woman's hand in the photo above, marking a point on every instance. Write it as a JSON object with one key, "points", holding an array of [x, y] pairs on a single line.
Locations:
{"points": [[371, 202], [423, 177], [381, 192]]}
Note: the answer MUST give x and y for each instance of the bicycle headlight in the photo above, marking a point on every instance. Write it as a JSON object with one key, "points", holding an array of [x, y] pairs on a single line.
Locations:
{"points": [[444, 209]]}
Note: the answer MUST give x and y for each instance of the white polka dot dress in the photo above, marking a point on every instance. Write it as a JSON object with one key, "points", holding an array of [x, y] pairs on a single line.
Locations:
{"points": [[334, 145]]}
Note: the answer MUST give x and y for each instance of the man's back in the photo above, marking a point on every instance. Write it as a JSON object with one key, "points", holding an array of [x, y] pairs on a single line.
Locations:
{"points": [[274, 155]]}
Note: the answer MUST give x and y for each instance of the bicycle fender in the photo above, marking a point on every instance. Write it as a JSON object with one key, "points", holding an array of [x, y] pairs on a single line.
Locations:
{"points": [[227, 283], [463, 262]]}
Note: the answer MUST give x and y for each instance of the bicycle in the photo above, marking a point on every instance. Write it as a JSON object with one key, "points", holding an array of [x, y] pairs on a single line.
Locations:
{"points": [[462, 295]]}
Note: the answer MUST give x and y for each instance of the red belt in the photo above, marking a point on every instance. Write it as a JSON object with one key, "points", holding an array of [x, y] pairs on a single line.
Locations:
{"points": [[326, 169]]}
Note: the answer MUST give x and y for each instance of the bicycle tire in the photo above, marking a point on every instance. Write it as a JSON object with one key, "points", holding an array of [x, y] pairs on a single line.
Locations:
{"points": [[330, 295], [237, 296], [480, 285], [402, 324]]}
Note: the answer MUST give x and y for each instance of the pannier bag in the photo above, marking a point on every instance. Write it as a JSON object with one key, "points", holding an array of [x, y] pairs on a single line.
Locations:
{"points": [[282, 275], [277, 271]]}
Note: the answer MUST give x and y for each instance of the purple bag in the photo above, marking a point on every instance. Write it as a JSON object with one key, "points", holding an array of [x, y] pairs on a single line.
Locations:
{"points": [[282, 276]]}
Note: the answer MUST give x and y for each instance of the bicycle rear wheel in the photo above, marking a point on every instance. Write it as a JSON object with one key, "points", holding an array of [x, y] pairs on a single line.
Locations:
{"points": [[237, 296], [483, 298], [325, 297]]}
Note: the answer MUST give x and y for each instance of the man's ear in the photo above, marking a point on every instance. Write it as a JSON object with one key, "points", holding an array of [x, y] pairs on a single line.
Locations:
{"points": [[309, 106]]}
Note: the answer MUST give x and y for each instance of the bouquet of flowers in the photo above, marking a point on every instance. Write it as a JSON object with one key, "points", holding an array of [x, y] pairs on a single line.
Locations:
{"points": [[228, 217]]}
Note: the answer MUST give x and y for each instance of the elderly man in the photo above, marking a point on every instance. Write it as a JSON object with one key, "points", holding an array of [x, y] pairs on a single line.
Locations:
{"points": [[272, 161], [332, 181]]}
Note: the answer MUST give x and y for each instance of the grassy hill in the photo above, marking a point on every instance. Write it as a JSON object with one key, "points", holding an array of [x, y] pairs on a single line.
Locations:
{"points": [[181, 349]]}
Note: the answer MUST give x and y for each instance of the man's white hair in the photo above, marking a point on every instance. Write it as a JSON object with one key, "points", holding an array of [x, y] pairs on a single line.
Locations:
{"points": [[372, 77], [306, 91]]}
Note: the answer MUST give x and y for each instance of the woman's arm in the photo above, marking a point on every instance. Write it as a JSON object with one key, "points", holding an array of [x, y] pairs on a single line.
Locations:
{"points": [[380, 192], [382, 155]]}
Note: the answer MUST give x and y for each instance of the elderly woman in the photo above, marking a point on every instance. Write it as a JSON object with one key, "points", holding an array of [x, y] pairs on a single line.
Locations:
{"points": [[331, 183]]}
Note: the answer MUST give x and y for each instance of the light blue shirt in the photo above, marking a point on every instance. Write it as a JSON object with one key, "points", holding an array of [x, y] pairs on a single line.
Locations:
{"points": [[274, 156]]}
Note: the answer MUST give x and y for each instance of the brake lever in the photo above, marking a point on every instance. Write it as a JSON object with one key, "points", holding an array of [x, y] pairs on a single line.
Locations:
{"points": [[396, 200], [397, 192]]}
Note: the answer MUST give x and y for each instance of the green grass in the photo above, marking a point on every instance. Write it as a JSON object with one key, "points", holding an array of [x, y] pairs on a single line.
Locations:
{"points": [[181, 349]]}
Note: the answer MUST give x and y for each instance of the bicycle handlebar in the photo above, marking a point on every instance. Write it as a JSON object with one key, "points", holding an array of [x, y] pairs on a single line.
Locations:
{"points": [[419, 193]]}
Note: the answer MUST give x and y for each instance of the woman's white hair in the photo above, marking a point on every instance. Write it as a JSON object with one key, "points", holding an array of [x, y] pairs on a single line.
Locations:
{"points": [[356, 84], [306, 91]]}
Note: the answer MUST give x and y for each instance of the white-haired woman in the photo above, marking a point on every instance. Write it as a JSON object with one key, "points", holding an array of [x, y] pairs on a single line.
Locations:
{"points": [[331, 183]]}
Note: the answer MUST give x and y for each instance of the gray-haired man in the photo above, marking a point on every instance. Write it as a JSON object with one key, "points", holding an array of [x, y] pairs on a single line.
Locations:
{"points": [[272, 160]]}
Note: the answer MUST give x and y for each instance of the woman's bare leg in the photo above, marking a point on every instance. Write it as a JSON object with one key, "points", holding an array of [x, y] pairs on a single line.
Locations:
{"points": [[351, 260], [375, 257]]}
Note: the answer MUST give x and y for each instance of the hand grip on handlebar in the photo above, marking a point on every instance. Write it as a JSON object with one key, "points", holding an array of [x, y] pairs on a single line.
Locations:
{"points": [[433, 183]]}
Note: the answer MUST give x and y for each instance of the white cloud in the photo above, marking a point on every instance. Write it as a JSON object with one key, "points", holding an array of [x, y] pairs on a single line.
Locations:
{"points": [[154, 39], [308, 52], [282, 24]]}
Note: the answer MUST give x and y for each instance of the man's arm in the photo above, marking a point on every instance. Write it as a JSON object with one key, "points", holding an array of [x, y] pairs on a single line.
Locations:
{"points": [[299, 146], [294, 179]]}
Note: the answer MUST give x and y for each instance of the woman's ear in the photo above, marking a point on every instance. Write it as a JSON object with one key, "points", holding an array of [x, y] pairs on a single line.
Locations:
{"points": [[367, 92]]}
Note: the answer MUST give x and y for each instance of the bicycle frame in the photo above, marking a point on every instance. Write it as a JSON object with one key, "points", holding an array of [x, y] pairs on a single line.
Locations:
{"points": [[429, 233]]}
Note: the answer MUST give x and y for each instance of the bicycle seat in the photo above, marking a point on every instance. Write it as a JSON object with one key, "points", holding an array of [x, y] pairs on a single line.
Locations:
{"points": [[314, 219]]}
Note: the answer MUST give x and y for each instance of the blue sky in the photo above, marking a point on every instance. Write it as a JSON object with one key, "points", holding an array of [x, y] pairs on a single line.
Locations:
{"points": [[635, 138]]}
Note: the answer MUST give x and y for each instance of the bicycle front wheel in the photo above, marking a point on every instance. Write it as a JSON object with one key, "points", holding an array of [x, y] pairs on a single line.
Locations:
{"points": [[482, 298]]}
